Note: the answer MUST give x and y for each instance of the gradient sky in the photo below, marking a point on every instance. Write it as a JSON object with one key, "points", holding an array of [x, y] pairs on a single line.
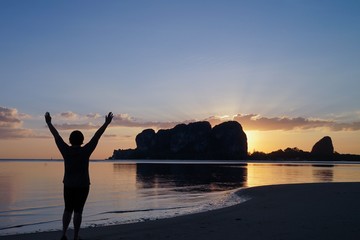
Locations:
{"points": [[288, 71]]}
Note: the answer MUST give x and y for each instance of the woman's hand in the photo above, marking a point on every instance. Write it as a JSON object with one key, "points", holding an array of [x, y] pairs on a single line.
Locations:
{"points": [[108, 118], [47, 117]]}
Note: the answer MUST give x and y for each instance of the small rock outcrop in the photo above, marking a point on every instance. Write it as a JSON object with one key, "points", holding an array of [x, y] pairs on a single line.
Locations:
{"points": [[323, 148], [195, 140]]}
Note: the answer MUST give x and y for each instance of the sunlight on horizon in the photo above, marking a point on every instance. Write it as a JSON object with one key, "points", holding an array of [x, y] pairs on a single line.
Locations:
{"points": [[252, 140]]}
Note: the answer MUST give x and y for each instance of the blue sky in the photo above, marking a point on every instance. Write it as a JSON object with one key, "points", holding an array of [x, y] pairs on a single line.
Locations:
{"points": [[173, 61]]}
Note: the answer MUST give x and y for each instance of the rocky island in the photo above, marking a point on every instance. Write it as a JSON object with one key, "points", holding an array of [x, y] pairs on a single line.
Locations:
{"points": [[197, 140], [226, 141]]}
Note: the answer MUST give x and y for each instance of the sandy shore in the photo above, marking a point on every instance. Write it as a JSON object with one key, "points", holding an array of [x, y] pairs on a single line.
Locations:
{"points": [[297, 211]]}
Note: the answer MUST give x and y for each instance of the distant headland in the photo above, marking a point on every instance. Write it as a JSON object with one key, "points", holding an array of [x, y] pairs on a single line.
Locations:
{"points": [[226, 141]]}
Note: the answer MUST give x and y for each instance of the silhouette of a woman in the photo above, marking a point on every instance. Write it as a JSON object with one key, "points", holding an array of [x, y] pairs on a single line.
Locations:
{"points": [[76, 177]]}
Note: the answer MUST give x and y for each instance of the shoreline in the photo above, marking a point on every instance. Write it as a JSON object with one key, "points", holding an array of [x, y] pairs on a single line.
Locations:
{"points": [[289, 211]]}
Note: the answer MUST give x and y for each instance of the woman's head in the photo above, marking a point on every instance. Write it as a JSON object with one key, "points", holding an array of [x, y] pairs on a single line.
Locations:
{"points": [[76, 138]]}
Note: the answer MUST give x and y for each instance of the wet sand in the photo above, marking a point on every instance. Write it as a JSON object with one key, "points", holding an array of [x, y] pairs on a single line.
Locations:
{"points": [[282, 212]]}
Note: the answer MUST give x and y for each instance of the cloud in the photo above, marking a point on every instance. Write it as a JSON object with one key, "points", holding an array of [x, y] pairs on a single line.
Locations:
{"points": [[215, 120], [124, 120], [69, 115], [345, 116], [248, 121], [93, 115], [9, 117], [70, 121], [73, 126], [74, 116], [256, 122], [354, 126], [109, 135], [11, 124]]}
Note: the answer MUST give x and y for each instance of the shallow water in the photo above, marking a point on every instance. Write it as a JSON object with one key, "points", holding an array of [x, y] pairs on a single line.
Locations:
{"points": [[122, 192]]}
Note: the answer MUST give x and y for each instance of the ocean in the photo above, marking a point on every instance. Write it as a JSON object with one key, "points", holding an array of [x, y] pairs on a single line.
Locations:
{"points": [[133, 191]]}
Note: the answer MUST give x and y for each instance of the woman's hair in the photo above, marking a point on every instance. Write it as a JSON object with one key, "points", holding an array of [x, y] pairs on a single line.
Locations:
{"points": [[76, 138]]}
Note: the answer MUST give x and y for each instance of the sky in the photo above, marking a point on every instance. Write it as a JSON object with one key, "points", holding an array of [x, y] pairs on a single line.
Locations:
{"points": [[287, 70]]}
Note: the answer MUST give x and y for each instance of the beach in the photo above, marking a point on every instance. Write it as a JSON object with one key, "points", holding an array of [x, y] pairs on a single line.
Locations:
{"points": [[292, 211]]}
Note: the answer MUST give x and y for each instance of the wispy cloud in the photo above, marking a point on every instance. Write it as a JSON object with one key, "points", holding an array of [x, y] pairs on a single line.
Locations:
{"points": [[124, 120], [257, 122], [93, 115], [71, 120], [69, 115], [11, 124], [249, 122], [354, 126], [78, 126], [110, 135]]}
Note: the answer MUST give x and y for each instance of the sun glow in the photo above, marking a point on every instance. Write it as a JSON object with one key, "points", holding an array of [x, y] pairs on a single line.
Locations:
{"points": [[252, 140]]}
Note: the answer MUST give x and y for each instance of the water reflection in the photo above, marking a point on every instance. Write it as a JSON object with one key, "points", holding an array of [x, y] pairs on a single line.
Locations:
{"points": [[31, 191], [323, 173], [268, 174], [191, 177], [125, 173], [6, 191], [124, 169]]}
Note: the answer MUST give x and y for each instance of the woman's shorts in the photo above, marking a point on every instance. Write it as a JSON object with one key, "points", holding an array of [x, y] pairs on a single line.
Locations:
{"points": [[75, 198]]}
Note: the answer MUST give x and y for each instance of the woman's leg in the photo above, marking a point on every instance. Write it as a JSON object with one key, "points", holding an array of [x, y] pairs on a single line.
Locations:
{"points": [[77, 224], [79, 206], [69, 208], [66, 221]]}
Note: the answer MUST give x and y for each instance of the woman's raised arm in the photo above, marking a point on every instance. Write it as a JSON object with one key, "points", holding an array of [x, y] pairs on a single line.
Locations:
{"points": [[53, 130], [102, 129]]}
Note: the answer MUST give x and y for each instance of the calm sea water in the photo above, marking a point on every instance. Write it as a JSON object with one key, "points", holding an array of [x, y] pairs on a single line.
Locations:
{"points": [[121, 192]]}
